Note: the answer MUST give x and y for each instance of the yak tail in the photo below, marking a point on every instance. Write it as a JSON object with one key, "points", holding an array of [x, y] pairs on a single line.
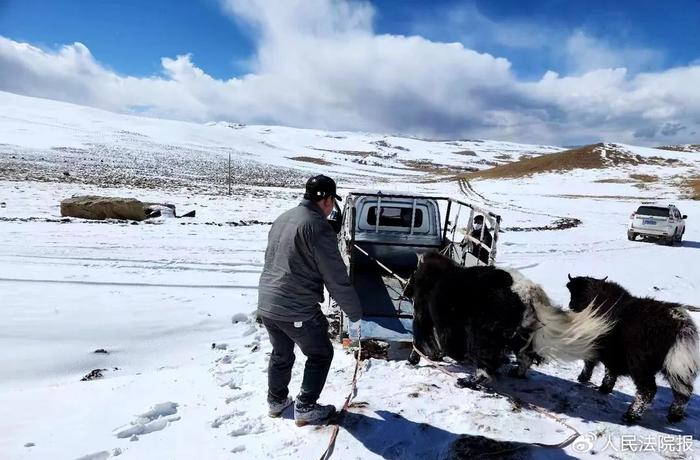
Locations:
{"points": [[682, 362], [566, 335]]}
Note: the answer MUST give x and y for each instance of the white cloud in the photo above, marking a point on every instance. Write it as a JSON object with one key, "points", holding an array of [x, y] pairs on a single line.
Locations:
{"points": [[467, 24], [561, 48], [319, 63], [584, 53]]}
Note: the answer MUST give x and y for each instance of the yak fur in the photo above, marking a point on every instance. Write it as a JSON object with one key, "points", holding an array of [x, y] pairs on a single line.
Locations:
{"points": [[649, 336], [478, 314]]}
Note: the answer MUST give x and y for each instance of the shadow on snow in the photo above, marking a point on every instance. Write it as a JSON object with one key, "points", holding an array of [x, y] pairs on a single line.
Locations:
{"points": [[583, 401], [394, 437]]}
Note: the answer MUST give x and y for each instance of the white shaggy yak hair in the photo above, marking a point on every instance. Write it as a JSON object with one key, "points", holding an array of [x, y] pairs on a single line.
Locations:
{"points": [[558, 334], [682, 362]]}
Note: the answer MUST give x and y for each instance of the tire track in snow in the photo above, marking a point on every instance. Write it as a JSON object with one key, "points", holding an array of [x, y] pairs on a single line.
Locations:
{"points": [[467, 190], [114, 283], [172, 267], [151, 261]]}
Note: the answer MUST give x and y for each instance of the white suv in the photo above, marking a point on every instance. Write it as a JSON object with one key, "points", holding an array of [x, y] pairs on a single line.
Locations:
{"points": [[665, 223]]}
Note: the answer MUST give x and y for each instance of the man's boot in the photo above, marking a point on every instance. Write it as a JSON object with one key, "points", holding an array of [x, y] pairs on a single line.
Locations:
{"points": [[277, 407], [314, 414]]}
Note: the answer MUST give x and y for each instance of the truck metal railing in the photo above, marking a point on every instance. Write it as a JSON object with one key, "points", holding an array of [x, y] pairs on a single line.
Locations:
{"points": [[454, 237], [450, 225]]}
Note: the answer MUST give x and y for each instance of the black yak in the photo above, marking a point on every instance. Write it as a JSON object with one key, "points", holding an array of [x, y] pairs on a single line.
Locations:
{"points": [[478, 314], [649, 336]]}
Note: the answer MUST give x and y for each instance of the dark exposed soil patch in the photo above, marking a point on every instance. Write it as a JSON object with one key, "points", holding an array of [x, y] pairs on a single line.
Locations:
{"points": [[640, 181], [648, 178], [468, 153], [316, 161], [435, 168], [240, 223], [67, 220], [355, 153], [93, 375], [559, 224], [503, 157], [365, 157], [375, 349], [632, 179], [601, 197], [386, 145], [693, 185], [358, 404]]}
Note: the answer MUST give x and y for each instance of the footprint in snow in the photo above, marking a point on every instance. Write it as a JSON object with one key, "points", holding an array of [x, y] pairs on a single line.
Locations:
{"points": [[250, 331], [240, 363], [231, 383], [242, 395], [155, 419], [96, 456], [240, 318], [249, 427], [225, 418]]}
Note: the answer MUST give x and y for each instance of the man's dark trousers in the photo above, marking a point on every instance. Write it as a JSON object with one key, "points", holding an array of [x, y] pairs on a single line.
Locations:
{"points": [[312, 339]]}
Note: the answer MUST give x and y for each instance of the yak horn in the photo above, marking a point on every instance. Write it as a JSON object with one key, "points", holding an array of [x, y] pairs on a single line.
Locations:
{"points": [[604, 279], [570, 278]]}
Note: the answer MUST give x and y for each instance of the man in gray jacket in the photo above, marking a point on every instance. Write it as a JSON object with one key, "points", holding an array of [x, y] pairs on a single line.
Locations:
{"points": [[302, 255]]}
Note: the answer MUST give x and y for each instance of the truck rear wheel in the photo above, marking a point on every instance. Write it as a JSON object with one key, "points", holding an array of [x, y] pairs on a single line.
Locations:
{"points": [[631, 236]]}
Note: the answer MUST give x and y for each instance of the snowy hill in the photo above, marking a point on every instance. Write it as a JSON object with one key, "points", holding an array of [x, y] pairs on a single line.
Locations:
{"points": [[41, 139], [144, 303]]}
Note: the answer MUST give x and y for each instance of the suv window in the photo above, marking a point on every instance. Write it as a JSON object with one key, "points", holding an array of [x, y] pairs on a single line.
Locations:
{"points": [[653, 211], [394, 217]]}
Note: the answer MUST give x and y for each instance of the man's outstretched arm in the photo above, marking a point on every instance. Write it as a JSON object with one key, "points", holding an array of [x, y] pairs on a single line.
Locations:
{"points": [[334, 272]]}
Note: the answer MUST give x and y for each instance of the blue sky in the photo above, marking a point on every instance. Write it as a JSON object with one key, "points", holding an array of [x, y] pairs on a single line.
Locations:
{"points": [[130, 36], [546, 71]]}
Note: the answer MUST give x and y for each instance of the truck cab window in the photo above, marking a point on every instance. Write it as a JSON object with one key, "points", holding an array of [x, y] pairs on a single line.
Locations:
{"points": [[394, 217]]}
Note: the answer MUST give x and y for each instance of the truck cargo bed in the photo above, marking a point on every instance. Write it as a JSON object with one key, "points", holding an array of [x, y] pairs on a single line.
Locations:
{"points": [[385, 314]]}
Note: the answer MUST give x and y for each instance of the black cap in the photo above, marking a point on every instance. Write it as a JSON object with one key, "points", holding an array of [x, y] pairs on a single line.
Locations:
{"points": [[320, 187]]}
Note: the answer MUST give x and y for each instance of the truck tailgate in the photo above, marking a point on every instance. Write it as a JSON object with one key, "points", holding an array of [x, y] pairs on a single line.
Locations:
{"points": [[385, 315]]}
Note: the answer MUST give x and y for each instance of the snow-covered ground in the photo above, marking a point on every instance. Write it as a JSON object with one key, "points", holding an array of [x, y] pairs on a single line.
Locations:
{"points": [[157, 296]]}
